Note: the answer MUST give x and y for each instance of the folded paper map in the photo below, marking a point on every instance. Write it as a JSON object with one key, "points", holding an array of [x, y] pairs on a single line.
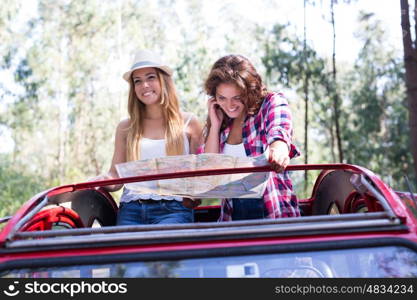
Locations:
{"points": [[245, 185]]}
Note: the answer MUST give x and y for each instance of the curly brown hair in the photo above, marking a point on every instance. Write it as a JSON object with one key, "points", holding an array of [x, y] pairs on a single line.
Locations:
{"points": [[237, 69]]}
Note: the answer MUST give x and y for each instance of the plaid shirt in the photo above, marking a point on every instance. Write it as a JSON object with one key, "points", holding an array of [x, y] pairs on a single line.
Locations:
{"points": [[270, 124]]}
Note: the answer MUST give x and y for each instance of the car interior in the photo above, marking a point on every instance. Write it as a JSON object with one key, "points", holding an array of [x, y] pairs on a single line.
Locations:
{"points": [[334, 192]]}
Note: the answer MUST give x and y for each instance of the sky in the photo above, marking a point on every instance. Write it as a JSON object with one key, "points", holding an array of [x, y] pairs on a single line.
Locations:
{"points": [[388, 11], [319, 30]]}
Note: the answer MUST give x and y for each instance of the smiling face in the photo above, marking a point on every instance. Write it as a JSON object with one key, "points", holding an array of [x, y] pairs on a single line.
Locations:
{"points": [[147, 86], [229, 98]]}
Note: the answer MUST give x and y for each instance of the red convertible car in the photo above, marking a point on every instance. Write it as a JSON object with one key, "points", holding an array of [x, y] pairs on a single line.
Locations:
{"points": [[352, 225]]}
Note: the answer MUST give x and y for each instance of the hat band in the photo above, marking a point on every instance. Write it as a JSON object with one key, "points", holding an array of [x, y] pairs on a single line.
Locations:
{"points": [[144, 63]]}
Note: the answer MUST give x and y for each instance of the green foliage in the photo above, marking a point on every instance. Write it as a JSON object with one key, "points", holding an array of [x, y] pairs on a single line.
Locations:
{"points": [[376, 132], [67, 60], [16, 187]]}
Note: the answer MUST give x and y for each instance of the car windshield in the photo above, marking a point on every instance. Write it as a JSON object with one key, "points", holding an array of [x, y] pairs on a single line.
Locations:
{"points": [[389, 261]]}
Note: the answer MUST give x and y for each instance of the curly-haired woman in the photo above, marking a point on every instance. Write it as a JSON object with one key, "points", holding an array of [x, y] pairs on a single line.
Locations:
{"points": [[244, 119]]}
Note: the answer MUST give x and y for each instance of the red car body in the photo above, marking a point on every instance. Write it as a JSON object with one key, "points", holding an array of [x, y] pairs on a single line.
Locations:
{"points": [[350, 211]]}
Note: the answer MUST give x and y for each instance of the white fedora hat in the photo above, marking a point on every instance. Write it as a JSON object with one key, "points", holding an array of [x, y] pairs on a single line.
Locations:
{"points": [[147, 59]]}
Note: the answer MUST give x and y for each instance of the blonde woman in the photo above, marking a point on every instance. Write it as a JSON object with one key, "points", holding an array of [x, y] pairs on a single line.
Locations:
{"points": [[155, 128]]}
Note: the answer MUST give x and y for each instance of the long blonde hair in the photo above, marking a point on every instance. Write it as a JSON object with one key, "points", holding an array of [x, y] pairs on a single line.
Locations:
{"points": [[173, 121]]}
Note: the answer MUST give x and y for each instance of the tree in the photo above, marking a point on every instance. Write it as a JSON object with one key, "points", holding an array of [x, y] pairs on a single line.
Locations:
{"points": [[16, 186], [192, 65], [410, 63], [373, 130], [336, 98], [306, 85]]}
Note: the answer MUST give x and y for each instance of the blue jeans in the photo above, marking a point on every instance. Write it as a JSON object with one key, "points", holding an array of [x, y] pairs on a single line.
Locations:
{"points": [[153, 212], [247, 209]]}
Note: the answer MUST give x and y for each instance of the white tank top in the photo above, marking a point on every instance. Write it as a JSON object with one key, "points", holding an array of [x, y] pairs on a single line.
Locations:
{"points": [[150, 148], [234, 150]]}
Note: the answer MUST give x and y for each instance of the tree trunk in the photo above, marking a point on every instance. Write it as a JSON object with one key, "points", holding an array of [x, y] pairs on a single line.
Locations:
{"points": [[410, 63], [306, 84], [415, 24], [332, 146], [335, 94]]}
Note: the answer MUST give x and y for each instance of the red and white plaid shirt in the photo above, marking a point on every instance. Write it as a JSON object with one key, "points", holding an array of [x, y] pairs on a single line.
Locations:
{"points": [[272, 122]]}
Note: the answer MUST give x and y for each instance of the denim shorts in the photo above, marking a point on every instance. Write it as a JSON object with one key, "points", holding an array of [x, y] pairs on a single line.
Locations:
{"points": [[153, 212], [248, 208]]}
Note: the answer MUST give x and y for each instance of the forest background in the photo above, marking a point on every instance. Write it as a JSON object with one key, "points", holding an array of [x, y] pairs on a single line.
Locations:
{"points": [[62, 94]]}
